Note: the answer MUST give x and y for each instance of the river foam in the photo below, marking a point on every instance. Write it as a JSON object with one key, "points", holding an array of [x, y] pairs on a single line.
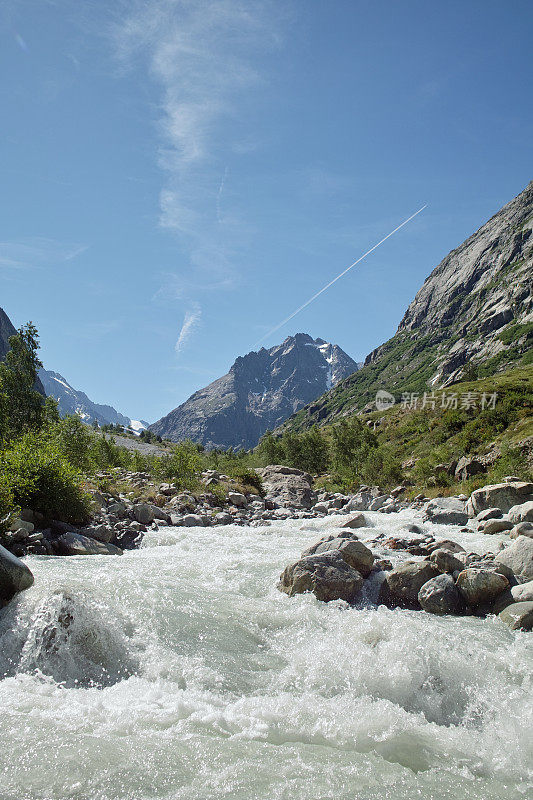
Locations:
{"points": [[179, 671]]}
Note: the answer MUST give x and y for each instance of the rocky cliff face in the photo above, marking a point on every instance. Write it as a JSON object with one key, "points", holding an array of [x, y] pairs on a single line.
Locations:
{"points": [[259, 392], [473, 315]]}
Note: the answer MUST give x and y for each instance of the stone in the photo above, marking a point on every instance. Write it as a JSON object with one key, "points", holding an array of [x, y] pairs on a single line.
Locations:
{"points": [[521, 513], [467, 467], [497, 526], [287, 486], [446, 511], [518, 557], [15, 576], [192, 521], [518, 616], [355, 521], [75, 544], [102, 533], [522, 529], [223, 518], [446, 544], [354, 552], [21, 525], [439, 595], [359, 502], [401, 586], [501, 495], [490, 513], [522, 592], [378, 502], [327, 576], [118, 509], [237, 499], [480, 586], [143, 513], [445, 561]]}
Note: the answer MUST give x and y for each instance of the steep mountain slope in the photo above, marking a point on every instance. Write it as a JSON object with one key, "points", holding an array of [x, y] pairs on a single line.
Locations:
{"points": [[72, 401], [7, 329], [473, 315], [259, 392]]}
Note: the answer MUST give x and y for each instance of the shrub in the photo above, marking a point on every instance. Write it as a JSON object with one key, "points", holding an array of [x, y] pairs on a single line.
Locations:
{"points": [[37, 474], [8, 507], [181, 465]]}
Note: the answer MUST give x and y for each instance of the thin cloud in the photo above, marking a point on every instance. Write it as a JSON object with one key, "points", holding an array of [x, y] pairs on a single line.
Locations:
{"points": [[37, 252], [190, 324]]}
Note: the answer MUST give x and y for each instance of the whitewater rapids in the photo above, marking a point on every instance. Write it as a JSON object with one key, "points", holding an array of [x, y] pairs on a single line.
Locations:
{"points": [[179, 671]]}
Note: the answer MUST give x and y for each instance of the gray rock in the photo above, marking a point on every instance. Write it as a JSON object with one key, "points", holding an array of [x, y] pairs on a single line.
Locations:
{"points": [[21, 525], [497, 526], [518, 557], [223, 518], [287, 486], [445, 561], [355, 521], [14, 576], [522, 592], [501, 495], [481, 586], [522, 529], [521, 513], [446, 511], [192, 521], [143, 513], [401, 586], [74, 544], [327, 576], [359, 502], [379, 502], [439, 595], [102, 533], [237, 499], [518, 616], [467, 467], [354, 552], [490, 513]]}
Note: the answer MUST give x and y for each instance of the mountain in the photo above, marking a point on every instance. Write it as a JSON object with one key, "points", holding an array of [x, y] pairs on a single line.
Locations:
{"points": [[7, 329], [73, 401], [472, 316], [259, 392]]}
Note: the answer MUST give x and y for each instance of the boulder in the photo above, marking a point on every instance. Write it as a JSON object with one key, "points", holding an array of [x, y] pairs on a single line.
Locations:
{"points": [[354, 552], [102, 533], [359, 502], [192, 521], [327, 576], [522, 592], [21, 525], [143, 513], [237, 499], [490, 513], [356, 521], [287, 486], [481, 586], [497, 526], [14, 576], [445, 544], [521, 513], [501, 495], [379, 502], [522, 529], [518, 616], [445, 561], [446, 511], [401, 586], [223, 518], [439, 595], [467, 467], [518, 557], [75, 544]]}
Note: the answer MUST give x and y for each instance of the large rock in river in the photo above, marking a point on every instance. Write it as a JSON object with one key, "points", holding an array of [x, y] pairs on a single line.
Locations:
{"points": [[14, 576], [326, 575], [354, 552], [440, 596], [499, 495], [74, 544], [518, 616], [287, 486], [402, 585], [481, 586], [446, 511], [518, 557]]}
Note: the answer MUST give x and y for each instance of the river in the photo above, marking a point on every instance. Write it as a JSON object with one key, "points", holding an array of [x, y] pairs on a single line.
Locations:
{"points": [[179, 671]]}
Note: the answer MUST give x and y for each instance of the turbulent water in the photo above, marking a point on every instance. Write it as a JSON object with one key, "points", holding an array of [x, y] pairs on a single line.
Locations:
{"points": [[179, 671]]}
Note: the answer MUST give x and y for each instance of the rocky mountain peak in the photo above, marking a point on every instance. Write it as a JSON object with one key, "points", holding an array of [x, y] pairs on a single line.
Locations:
{"points": [[261, 389]]}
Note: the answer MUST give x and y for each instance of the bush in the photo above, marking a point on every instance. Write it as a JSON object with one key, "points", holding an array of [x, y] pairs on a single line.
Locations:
{"points": [[8, 507], [181, 466], [37, 474]]}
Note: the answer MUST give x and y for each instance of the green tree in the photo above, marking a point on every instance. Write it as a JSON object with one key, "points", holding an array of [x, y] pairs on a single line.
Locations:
{"points": [[21, 405]]}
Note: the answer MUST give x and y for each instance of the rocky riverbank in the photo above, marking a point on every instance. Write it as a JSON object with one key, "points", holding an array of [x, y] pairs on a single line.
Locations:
{"points": [[444, 579]]}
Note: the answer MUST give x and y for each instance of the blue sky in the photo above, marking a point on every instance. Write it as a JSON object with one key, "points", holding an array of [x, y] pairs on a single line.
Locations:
{"points": [[178, 177]]}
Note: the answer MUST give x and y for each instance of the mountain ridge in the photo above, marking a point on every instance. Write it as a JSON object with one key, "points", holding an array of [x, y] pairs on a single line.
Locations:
{"points": [[259, 391]]}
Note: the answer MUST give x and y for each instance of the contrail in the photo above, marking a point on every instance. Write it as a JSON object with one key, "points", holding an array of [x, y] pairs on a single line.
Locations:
{"points": [[314, 297]]}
